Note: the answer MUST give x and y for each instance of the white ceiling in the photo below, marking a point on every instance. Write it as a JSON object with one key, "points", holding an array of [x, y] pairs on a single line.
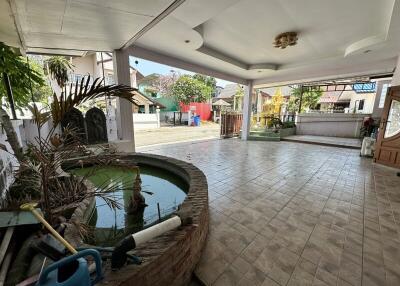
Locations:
{"points": [[232, 37], [96, 25]]}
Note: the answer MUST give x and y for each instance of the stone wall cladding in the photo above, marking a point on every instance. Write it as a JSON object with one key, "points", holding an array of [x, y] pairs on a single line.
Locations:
{"points": [[171, 258]]}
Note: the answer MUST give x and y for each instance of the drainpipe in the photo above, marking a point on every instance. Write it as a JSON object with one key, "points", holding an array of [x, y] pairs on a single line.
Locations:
{"points": [[10, 96], [301, 97]]}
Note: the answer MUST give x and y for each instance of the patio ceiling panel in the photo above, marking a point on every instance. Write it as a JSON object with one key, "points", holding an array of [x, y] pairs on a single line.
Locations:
{"points": [[231, 37], [81, 25]]}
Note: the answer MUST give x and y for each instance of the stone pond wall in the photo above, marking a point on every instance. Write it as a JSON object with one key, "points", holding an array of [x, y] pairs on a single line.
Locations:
{"points": [[171, 258]]}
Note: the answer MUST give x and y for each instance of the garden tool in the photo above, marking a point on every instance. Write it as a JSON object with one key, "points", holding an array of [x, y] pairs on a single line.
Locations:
{"points": [[69, 271], [31, 207], [79, 275]]}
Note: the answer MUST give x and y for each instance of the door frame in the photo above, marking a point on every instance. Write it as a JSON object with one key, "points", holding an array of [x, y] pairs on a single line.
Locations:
{"points": [[387, 150]]}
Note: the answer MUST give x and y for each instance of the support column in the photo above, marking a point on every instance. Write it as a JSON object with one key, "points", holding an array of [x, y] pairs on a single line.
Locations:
{"points": [[124, 107], [247, 110], [396, 75]]}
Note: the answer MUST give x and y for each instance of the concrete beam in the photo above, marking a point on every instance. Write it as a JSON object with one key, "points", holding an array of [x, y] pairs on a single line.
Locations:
{"points": [[328, 71], [182, 64]]}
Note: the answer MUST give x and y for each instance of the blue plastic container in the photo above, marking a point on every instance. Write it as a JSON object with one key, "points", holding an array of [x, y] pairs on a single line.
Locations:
{"points": [[81, 277], [196, 120]]}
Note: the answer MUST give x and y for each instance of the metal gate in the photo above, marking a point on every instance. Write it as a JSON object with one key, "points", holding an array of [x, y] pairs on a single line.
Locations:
{"points": [[231, 123]]}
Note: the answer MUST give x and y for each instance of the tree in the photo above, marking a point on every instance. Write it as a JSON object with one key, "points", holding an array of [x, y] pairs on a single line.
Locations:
{"points": [[277, 101], [58, 68], [24, 79], [309, 100], [188, 89], [158, 84], [209, 81]]}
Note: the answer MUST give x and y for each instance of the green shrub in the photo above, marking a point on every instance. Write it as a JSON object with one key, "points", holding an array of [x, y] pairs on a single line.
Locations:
{"points": [[288, 125]]}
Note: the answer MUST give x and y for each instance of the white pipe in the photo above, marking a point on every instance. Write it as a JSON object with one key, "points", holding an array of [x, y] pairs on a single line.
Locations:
{"points": [[156, 230]]}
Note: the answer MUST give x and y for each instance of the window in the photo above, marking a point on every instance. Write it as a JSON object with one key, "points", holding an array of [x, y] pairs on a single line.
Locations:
{"points": [[78, 77], [383, 95], [361, 104], [110, 79]]}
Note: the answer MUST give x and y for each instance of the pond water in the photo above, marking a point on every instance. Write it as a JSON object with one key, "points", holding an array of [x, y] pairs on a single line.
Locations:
{"points": [[158, 186]]}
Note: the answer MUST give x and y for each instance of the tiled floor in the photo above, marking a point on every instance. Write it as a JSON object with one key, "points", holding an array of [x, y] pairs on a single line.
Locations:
{"points": [[346, 142], [285, 213]]}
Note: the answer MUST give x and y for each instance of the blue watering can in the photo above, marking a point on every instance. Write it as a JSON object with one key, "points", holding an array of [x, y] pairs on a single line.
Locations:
{"points": [[80, 276]]}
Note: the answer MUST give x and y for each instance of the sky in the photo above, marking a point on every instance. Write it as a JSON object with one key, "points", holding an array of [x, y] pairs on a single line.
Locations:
{"points": [[146, 67]]}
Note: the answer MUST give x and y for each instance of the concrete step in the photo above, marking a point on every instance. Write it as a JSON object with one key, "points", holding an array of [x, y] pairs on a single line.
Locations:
{"points": [[264, 138]]}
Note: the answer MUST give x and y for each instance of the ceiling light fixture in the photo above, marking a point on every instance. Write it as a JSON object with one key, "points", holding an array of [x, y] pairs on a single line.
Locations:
{"points": [[285, 39], [187, 41]]}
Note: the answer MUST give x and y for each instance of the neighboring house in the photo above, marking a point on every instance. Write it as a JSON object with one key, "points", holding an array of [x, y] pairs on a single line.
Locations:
{"points": [[353, 99], [232, 94], [218, 90], [93, 64], [332, 101], [147, 85]]}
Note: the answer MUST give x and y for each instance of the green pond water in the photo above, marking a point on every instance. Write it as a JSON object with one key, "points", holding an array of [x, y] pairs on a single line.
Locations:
{"points": [[111, 225]]}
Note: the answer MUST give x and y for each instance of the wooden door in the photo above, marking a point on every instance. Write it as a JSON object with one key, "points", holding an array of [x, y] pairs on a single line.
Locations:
{"points": [[387, 149]]}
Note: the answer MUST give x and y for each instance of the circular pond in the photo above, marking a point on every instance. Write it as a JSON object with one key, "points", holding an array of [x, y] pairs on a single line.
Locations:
{"points": [[159, 188]]}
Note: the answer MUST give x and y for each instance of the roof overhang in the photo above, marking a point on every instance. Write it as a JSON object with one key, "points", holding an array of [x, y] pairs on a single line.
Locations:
{"points": [[228, 39]]}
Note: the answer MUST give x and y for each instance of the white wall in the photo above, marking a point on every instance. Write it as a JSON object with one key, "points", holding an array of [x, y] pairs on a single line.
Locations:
{"points": [[146, 120], [330, 124], [377, 112], [369, 100], [396, 75], [85, 65], [8, 163]]}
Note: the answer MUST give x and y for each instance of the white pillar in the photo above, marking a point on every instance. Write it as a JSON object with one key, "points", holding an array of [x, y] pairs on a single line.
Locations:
{"points": [[158, 117], [189, 117], [396, 75], [247, 110], [146, 108], [124, 107]]}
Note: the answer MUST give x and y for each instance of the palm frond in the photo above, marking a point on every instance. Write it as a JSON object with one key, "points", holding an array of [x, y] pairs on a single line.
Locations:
{"points": [[39, 117], [83, 92], [58, 68]]}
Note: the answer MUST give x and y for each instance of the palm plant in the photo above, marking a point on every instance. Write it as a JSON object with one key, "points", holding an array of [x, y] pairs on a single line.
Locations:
{"points": [[55, 149], [58, 68]]}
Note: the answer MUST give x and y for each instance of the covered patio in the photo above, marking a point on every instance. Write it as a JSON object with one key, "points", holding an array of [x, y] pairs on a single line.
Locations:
{"points": [[284, 213], [281, 213]]}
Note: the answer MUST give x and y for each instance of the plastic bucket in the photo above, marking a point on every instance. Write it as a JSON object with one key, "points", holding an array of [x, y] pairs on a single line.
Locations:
{"points": [[196, 120]]}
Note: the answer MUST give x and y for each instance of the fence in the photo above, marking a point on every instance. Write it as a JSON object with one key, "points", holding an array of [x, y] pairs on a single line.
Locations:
{"points": [[146, 120], [231, 123], [202, 109], [330, 124]]}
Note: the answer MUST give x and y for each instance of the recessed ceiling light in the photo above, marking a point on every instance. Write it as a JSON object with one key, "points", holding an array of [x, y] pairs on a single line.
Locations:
{"points": [[187, 41]]}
